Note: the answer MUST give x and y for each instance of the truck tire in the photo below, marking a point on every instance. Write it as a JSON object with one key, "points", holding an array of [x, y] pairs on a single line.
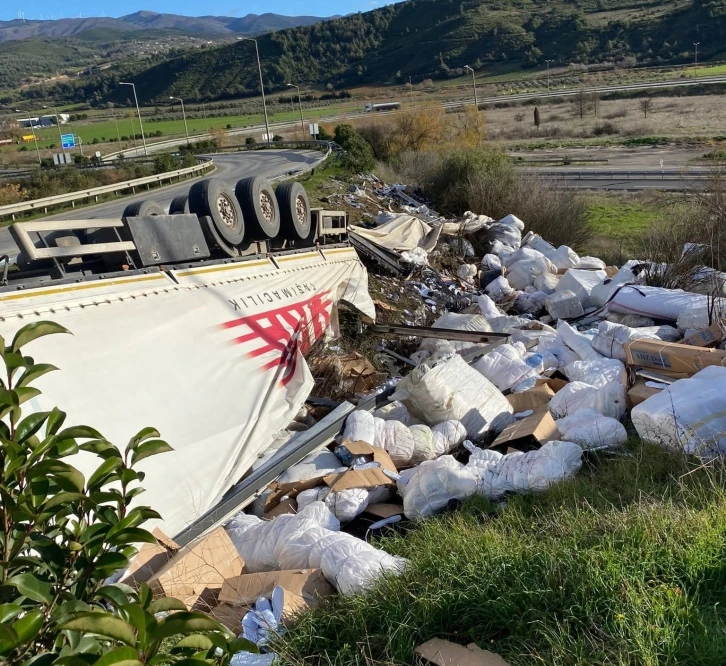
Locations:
{"points": [[295, 218], [145, 208], [259, 207], [214, 198], [179, 204]]}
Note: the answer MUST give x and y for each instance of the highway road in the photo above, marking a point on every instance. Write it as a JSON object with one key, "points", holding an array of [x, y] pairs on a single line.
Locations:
{"points": [[230, 166]]}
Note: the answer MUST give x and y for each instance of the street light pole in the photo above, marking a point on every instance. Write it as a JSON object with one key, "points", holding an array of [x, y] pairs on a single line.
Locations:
{"points": [[473, 81], [206, 122], [262, 85], [695, 61], [410, 90], [60, 133], [118, 132], [548, 73], [299, 100], [138, 110], [184, 115], [35, 138]]}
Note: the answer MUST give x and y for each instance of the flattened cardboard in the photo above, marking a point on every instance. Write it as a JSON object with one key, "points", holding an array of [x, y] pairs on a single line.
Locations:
{"points": [[671, 356], [444, 653], [639, 392], [304, 588], [528, 433], [286, 506], [709, 337], [202, 565], [363, 478], [383, 510], [230, 616], [150, 559], [537, 398], [555, 383]]}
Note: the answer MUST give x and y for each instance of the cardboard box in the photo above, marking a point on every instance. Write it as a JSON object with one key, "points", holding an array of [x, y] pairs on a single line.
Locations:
{"points": [[230, 616], [383, 510], [363, 478], [286, 506], [202, 565], [639, 392], [537, 398], [709, 337], [555, 383], [150, 559], [304, 588], [444, 653], [528, 433], [671, 356]]}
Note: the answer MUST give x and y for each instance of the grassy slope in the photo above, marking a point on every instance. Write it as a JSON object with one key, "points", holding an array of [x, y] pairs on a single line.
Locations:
{"points": [[623, 565]]}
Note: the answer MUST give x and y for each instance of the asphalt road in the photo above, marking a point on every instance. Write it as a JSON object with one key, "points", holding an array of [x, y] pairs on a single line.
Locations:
{"points": [[231, 167]]}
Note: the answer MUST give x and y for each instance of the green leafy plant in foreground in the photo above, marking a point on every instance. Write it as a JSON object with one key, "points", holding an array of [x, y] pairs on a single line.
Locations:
{"points": [[62, 536]]}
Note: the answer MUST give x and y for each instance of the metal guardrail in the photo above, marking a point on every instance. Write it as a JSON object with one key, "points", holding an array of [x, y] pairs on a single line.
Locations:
{"points": [[95, 192], [626, 175]]}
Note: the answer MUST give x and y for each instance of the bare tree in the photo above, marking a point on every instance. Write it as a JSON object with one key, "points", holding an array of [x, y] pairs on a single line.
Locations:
{"points": [[536, 117], [646, 104], [582, 102], [595, 99]]}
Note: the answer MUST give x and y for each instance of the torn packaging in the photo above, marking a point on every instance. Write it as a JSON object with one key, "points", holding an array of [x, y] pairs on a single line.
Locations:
{"points": [[304, 588], [528, 433], [708, 337], [672, 356], [536, 399], [444, 653]]}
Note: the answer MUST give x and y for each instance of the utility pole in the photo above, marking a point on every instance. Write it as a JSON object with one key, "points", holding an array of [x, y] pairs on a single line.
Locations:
{"points": [[206, 122], [548, 73], [262, 85], [695, 60], [184, 115], [60, 133], [118, 133], [35, 138], [410, 90], [473, 81], [299, 100], [138, 110]]}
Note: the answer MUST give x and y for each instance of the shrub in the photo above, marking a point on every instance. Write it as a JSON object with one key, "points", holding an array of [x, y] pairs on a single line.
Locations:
{"points": [[601, 129], [358, 152], [619, 113], [250, 141], [165, 162]]}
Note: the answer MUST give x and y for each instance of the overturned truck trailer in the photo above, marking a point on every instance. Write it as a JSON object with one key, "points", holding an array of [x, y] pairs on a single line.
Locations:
{"points": [[208, 352]]}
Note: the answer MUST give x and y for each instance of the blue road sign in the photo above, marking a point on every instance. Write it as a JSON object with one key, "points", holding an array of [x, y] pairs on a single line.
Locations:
{"points": [[68, 141]]}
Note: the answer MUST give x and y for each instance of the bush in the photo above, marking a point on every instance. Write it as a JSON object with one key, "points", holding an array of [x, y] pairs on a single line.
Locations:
{"points": [[165, 162], [250, 141], [358, 155], [601, 129], [229, 125], [277, 137]]}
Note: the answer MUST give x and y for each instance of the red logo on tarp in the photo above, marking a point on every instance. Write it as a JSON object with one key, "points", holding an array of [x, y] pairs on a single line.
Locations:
{"points": [[285, 331]]}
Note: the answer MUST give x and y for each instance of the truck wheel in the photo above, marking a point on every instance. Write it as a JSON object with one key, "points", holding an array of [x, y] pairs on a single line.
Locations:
{"points": [[259, 207], [295, 219], [214, 198], [179, 204], [146, 208]]}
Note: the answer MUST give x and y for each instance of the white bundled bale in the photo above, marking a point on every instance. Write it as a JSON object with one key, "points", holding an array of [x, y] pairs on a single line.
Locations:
{"points": [[447, 436], [536, 242], [504, 367], [688, 416], [445, 389], [628, 273], [611, 337], [523, 254], [555, 347], [525, 472], [660, 303], [393, 411], [360, 427], [564, 257], [490, 262], [294, 551], [581, 283], [466, 272], [564, 305], [396, 439], [315, 464], [499, 289], [423, 447], [344, 504], [596, 373], [430, 487], [592, 431], [578, 342], [459, 322], [608, 400], [488, 308], [523, 273], [546, 283], [591, 264], [530, 303], [512, 221]]}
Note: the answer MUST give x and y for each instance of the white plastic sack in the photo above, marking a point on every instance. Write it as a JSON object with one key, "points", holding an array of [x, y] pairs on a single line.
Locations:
{"points": [[579, 343], [446, 389], [499, 289], [591, 263], [558, 349], [315, 464], [523, 254], [447, 436], [581, 283], [628, 273], [466, 272], [608, 400], [344, 504], [432, 485], [611, 337], [656, 302], [360, 427], [396, 439], [523, 273], [488, 308], [459, 322], [689, 415], [393, 411], [592, 431], [530, 303], [525, 472], [512, 221], [596, 373], [536, 242], [423, 446], [504, 367], [546, 283], [490, 262], [564, 257]]}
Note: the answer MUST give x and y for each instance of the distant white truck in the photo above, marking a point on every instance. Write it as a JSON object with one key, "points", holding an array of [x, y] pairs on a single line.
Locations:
{"points": [[387, 106]]}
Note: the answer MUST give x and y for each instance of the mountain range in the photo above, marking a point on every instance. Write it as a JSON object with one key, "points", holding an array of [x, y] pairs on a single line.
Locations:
{"points": [[19, 29]]}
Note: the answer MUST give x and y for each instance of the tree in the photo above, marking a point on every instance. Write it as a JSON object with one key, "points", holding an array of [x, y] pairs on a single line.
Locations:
{"points": [[419, 129], [645, 105], [582, 103], [536, 117], [358, 155]]}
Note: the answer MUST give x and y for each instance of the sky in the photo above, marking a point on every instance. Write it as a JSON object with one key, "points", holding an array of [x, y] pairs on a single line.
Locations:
{"points": [[47, 9]]}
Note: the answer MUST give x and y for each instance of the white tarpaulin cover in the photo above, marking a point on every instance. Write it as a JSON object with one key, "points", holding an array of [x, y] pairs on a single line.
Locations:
{"points": [[212, 360], [402, 232]]}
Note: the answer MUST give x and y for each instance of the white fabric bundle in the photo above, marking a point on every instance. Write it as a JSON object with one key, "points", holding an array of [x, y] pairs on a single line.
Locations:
{"points": [[447, 436], [591, 430], [490, 262], [360, 427], [466, 272], [488, 308], [448, 388], [611, 337], [396, 439], [393, 411], [523, 254], [504, 367], [581, 283], [532, 302], [499, 289], [608, 400], [459, 322], [343, 504], [523, 273], [579, 343], [564, 257], [546, 283], [313, 465], [596, 373]]}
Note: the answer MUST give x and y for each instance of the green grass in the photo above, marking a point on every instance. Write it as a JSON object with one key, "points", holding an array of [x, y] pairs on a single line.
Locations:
{"points": [[615, 218], [621, 566]]}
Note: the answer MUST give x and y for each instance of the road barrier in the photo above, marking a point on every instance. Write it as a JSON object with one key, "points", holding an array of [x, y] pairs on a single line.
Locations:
{"points": [[666, 174], [94, 192]]}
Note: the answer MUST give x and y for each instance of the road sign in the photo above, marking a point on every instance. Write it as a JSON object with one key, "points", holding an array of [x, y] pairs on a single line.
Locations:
{"points": [[314, 131], [68, 141]]}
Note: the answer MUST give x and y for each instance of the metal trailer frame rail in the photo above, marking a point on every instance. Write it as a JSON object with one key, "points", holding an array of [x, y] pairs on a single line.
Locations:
{"points": [[439, 333], [322, 433], [383, 257], [94, 192]]}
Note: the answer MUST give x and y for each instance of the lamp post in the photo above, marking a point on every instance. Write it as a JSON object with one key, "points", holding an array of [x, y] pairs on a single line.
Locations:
{"points": [[118, 132], [695, 60], [60, 133], [548, 73], [206, 122], [184, 115], [35, 138], [262, 85], [410, 90], [138, 110], [299, 100], [473, 81]]}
